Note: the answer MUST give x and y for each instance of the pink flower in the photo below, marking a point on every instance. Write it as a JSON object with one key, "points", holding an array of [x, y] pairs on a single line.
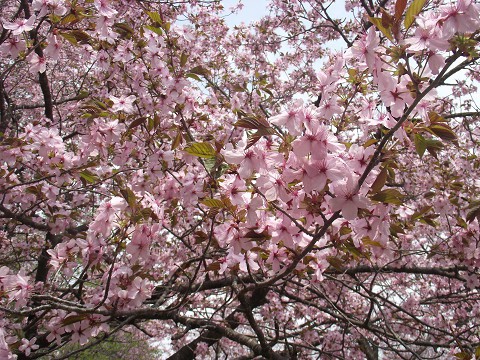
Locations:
{"points": [[38, 64], [462, 17], [318, 172], [316, 143], [273, 187], [364, 48], [20, 25], [81, 332], [292, 119], [359, 157], [139, 247], [54, 47], [123, 103], [254, 159], [56, 333], [427, 36], [276, 257], [28, 346], [13, 46], [53, 6], [330, 107], [394, 94], [347, 199], [104, 9]]}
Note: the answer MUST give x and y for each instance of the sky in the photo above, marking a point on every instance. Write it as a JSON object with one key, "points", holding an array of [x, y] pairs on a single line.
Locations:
{"points": [[253, 10]]}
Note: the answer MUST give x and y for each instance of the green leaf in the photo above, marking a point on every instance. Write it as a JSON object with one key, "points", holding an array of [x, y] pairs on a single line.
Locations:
{"points": [[155, 29], [389, 196], [154, 16], [193, 76], [212, 203], [385, 31], [183, 59], [435, 118], [412, 12], [443, 131], [130, 197], [70, 18], [420, 144], [433, 146], [477, 352], [69, 37], [201, 149], [88, 176], [419, 213]]}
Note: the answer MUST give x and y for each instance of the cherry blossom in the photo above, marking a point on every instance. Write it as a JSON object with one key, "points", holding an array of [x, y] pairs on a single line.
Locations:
{"points": [[20, 25], [123, 103], [298, 186]]}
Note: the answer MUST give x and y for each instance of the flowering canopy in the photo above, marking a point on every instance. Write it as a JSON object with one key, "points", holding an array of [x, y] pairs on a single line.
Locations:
{"points": [[241, 191]]}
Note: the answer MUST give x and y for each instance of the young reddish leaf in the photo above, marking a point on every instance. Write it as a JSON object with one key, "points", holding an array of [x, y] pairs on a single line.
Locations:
{"points": [[412, 12], [400, 6], [379, 181], [177, 140], [251, 122], [201, 149], [137, 122], [81, 36], [72, 319], [474, 211], [419, 213], [214, 266], [336, 262], [252, 140], [248, 123], [387, 19], [199, 70]]}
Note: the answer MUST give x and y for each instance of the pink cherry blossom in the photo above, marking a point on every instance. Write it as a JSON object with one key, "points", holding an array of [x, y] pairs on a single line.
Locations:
{"points": [[123, 103], [28, 346], [346, 199], [20, 25]]}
